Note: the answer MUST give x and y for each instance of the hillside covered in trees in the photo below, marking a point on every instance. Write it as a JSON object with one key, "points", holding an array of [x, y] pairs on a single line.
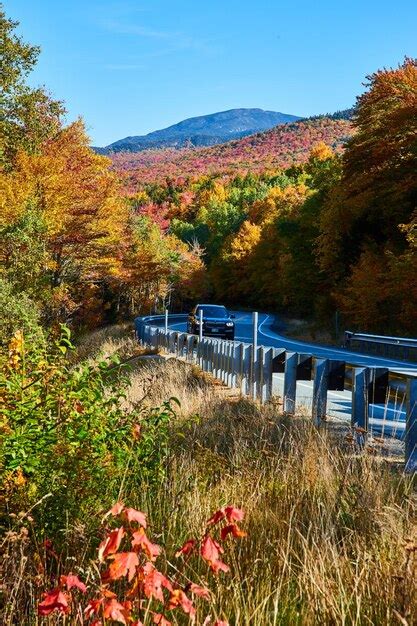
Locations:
{"points": [[302, 219], [274, 149], [306, 218]]}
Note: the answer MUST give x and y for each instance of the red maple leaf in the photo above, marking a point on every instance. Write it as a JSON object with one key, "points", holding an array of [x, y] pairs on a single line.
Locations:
{"points": [[71, 581], [232, 529], [141, 541], [227, 512], [216, 517], [54, 600], [203, 592], [210, 551], [115, 510], [135, 516], [93, 607], [153, 582], [111, 543], [159, 619], [117, 611], [179, 598], [187, 548], [233, 514], [124, 564]]}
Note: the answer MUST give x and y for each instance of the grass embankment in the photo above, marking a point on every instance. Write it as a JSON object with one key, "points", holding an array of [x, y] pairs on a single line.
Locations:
{"points": [[331, 535]]}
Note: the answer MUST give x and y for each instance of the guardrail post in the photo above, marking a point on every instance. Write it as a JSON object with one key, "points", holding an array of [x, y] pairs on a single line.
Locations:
{"points": [[245, 371], [378, 385], [254, 372], [320, 391], [337, 371], [200, 328], [411, 427], [230, 363], [237, 356], [266, 380], [209, 355], [171, 342], [217, 360], [225, 350], [290, 382], [360, 410]]}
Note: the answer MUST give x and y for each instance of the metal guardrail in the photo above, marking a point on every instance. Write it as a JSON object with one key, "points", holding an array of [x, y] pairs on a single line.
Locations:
{"points": [[250, 368], [400, 347]]}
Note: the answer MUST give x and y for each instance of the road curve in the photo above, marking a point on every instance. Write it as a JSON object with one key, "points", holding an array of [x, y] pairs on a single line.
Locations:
{"points": [[268, 337], [389, 419]]}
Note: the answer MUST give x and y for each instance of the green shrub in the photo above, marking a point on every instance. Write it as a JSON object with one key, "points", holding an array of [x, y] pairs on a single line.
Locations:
{"points": [[68, 431], [18, 312]]}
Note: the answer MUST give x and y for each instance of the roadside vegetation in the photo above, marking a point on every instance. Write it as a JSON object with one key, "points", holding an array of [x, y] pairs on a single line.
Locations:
{"points": [[331, 536]]}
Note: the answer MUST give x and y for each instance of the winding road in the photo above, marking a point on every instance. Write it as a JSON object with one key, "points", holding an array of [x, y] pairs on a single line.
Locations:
{"points": [[388, 419]]}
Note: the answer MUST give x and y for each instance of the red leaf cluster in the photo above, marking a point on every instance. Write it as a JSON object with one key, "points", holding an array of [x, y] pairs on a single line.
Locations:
{"points": [[136, 566]]}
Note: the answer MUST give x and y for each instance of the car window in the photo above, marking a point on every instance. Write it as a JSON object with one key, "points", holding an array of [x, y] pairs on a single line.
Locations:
{"points": [[213, 311]]}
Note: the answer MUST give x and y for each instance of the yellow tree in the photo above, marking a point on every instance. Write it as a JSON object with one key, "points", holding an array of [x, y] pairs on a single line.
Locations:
{"points": [[76, 196]]}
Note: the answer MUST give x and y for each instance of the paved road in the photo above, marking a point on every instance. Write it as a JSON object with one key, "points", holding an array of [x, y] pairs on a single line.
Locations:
{"points": [[388, 419]]}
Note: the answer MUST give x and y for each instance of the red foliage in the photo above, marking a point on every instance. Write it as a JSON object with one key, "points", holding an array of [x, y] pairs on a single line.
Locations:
{"points": [[111, 543], [274, 149], [211, 551], [54, 600], [71, 581], [137, 567]]}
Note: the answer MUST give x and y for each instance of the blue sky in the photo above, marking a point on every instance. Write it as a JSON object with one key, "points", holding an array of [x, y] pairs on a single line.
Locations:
{"points": [[132, 66]]}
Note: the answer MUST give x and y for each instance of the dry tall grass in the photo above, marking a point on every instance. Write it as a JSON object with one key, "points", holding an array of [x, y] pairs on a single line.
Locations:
{"points": [[332, 537]]}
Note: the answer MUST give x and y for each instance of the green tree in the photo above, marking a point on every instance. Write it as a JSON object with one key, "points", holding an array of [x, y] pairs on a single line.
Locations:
{"points": [[27, 116]]}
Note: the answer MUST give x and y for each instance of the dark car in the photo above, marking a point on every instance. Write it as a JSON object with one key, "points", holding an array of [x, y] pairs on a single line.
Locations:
{"points": [[217, 321]]}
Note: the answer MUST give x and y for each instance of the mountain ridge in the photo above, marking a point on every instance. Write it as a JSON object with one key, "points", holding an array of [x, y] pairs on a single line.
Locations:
{"points": [[203, 130]]}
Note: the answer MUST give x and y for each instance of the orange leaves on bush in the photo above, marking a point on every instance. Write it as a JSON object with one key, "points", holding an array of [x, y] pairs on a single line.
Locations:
{"points": [[141, 541], [115, 510], [124, 564], [54, 600], [111, 543], [210, 551]]}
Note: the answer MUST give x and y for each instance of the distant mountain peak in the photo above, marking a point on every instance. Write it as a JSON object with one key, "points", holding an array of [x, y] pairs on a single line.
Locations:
{"points": [[204, 130]]}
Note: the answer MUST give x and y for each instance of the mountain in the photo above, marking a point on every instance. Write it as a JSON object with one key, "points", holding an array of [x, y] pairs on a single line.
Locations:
{"points": [[274, 149], [205, 130]]}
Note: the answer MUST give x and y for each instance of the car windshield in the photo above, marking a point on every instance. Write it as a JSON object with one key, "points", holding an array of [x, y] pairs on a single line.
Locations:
{"points": [[213, 311]]}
